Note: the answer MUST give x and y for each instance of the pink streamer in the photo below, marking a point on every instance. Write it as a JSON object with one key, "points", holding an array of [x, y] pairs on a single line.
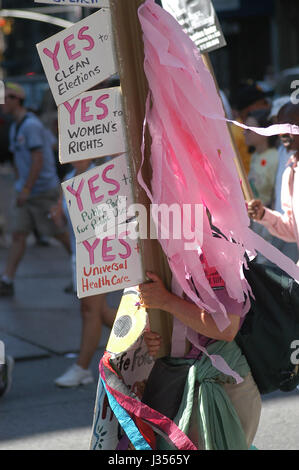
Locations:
{"points": [[193, 163], [275, 129]]}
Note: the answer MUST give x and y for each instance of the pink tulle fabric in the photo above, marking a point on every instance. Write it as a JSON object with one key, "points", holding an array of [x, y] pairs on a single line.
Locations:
{"points": [[193, 163]]}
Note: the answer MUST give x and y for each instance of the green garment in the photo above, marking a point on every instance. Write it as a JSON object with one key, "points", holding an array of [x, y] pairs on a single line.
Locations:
{"points": [[219, 424]]}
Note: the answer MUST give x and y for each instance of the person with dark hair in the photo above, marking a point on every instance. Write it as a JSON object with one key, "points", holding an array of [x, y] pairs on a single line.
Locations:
{"points": [[283, 225], [289, 249], [37, 184]]}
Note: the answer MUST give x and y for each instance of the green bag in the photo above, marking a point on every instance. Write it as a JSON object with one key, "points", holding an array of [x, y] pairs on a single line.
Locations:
{"points": [[267, 335]]}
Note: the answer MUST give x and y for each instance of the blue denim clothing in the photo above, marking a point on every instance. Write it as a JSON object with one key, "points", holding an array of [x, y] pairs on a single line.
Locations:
{"points": [[25, 137]]}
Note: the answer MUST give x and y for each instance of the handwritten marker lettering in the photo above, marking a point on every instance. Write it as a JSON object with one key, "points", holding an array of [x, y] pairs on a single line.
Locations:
{"points": [[78, 58], [96, 198], [91, 125], [82, 3], [108, 263]]}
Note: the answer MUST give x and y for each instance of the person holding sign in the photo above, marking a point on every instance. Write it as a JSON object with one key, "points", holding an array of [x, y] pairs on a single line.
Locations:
{"points": [[37, 184], [284, 226], [237, 428]]}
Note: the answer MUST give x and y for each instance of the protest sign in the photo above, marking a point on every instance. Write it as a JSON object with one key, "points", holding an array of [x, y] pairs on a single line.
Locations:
{"points": [[199, 20], [78, 58], [81, 3], [134, 365], [110, 263], [99, 197], [91, 125], [130, 322]]}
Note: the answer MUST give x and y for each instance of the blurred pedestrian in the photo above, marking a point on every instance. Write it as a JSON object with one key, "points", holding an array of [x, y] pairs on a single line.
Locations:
{"points": [[289, 249], [37, 184], [94, 309], [249, 97], [284, 226]]}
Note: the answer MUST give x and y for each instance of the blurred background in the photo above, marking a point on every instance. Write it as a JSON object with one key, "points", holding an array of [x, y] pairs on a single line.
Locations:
{"points": [[262, 42], [262, 46]]}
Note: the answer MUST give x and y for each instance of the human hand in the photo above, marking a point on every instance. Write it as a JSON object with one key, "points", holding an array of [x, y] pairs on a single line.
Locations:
{"points": [[22, 197], [256, 210], [153, 342], [154, 294]]}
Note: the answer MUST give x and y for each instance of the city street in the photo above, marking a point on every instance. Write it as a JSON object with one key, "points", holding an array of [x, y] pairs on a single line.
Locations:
{"points": [[181, 112], [40, 328]]}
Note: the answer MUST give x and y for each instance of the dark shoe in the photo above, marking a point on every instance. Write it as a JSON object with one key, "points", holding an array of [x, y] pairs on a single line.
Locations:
{"points": [[6, 375], [6, 289], [42, 241], [69, 289]]}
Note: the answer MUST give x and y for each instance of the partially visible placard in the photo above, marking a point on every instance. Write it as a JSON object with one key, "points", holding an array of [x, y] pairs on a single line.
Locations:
{"points": [[110, 263], [134, 366], [199, 20], [98, 199], [78, 58], [80, 3], [91, 125], [130, 322]]}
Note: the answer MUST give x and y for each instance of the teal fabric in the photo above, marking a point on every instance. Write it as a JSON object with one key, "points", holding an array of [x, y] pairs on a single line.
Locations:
{"points": [[127, 423], [219, 424]]}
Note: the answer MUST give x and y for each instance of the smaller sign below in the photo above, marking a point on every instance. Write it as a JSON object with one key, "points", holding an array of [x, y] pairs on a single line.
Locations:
{"points": [[81, 3], [199, 20], [78, 58], [129, 324], [91, 126], [110, 263], [98, 199]]}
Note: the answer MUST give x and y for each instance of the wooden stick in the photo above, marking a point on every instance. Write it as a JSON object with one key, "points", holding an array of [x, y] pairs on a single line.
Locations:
{"points": [[130, 57], [247, 191]]}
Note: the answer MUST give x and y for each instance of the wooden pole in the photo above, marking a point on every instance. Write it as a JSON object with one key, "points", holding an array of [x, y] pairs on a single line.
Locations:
{"points": [[130, 56], [247, 191]]}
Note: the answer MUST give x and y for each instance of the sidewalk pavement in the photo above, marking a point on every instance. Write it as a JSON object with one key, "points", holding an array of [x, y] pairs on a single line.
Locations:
{"points": [[41, 327]]}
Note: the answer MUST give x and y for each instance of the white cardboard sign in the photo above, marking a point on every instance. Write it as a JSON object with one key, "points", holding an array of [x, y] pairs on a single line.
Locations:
{"points": [[110, 263], [91, 125], [80, 3], [78, 58], [134, 366], [95, 198]]}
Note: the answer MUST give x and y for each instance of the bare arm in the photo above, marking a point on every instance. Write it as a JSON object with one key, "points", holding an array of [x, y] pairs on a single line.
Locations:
{"points": [[35, 169], [155, 295], [36, 166]]}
